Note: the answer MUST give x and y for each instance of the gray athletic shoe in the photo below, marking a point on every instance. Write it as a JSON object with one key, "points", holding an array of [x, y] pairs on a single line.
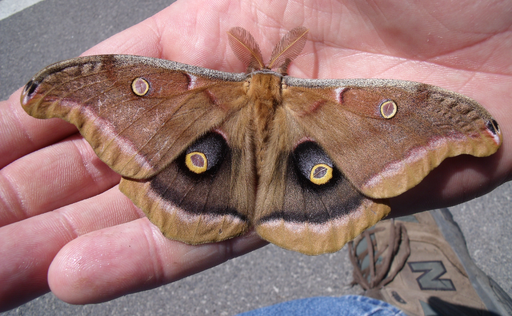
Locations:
{"points": [[420, 264]]}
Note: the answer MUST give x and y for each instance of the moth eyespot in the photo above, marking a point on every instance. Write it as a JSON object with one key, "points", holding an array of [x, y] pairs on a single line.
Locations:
{"points": [[206, 153], [388, 109], [320, 174], [313, 163], [196, 162], [140, 86]]}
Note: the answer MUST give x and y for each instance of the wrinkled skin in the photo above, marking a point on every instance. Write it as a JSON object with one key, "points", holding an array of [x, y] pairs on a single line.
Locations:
{"points": [[65, 226]]}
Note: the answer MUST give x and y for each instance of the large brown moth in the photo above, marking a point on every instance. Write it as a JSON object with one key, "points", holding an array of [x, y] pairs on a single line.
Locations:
{"points": [[207, 154]]}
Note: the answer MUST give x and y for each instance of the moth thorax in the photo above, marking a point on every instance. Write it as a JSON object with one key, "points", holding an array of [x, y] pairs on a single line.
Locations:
{"points": [[265, 86]]}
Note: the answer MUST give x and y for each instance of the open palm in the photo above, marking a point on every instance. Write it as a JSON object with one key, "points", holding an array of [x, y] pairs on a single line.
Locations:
{"points": [[95, 245]]}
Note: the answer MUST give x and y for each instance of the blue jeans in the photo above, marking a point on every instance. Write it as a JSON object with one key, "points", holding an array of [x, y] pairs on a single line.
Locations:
{"points": [[329, 306]]}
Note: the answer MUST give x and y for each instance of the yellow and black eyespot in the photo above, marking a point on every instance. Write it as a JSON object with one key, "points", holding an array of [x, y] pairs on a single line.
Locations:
{"points": [[196, 162], [320, 174], [206, 153], [313, 163]]}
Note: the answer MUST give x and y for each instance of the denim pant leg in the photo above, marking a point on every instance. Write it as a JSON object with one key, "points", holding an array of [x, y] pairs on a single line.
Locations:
{"points": [[329, 306]]}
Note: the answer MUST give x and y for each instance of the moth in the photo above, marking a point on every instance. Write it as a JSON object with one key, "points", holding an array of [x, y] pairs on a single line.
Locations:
{"points": [[207, 155]]}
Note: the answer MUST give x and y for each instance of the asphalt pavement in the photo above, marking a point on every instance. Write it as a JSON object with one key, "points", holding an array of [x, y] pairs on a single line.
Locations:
{"points": [[54, 30]]}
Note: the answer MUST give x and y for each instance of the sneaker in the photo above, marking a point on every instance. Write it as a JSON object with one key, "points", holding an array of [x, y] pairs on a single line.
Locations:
{"points": [[420, 264]]}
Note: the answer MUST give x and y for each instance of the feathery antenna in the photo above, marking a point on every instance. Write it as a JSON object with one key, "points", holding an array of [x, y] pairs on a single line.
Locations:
{"points": [[288, 48], [245, 48]]}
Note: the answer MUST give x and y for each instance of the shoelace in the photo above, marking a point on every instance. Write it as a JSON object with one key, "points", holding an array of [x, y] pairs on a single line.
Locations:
{"points": [[378, 274]]}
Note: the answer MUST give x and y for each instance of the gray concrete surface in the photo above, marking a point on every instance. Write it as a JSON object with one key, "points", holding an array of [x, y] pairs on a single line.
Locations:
{"points": [[35, 37]]}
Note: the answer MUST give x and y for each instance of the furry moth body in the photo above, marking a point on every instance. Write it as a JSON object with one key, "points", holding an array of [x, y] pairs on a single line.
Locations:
{"points": [[207, 154]]}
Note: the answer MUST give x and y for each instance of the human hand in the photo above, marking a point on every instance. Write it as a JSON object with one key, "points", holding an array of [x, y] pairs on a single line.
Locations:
{"points": [[97, 246]]}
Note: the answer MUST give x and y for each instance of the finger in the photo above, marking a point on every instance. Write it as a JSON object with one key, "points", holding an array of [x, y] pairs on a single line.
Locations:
{"points": [[23, 134], [27, 256], [456, 180], [50, 178], [181, 33], [132, 257]]}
